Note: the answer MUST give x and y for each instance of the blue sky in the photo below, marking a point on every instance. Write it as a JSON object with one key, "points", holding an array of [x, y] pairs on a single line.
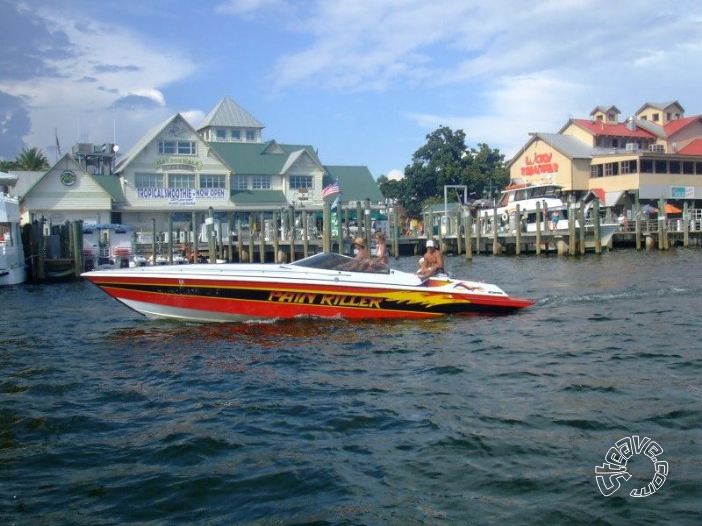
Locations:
{"points": [[363, 81]]}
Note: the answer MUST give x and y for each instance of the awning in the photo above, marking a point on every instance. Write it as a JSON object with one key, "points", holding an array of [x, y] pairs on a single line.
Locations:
{"points": [[606, 199], [672, 209], [612, 198]]}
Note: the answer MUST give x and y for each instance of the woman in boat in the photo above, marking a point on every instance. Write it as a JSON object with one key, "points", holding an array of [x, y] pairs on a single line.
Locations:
{"points": [[381, 259]]}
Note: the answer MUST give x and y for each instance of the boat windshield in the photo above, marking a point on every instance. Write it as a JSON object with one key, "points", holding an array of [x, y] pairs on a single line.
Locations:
{"points": [[332, 261]]}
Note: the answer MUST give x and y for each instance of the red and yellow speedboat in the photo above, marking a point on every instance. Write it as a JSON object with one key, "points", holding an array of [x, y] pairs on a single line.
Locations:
{"points": [[323, 285]]}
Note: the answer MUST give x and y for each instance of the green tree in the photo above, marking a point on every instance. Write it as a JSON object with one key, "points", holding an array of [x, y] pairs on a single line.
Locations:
{"points": [[31, 160], [445, 160], [6, 166]]}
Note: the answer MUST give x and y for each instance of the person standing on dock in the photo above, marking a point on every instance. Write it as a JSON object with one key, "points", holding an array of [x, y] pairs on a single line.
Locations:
{"points": [[555, 216]]}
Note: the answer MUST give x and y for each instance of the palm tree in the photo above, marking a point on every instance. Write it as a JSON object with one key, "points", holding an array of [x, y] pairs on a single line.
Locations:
{"points": [[6, 166], [31, 160]]}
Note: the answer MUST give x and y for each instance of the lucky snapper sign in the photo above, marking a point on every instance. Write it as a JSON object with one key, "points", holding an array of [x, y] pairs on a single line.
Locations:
{"points": [[539, 163]]}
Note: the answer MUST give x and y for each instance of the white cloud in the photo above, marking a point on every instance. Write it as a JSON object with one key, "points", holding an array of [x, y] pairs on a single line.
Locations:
{"points": [[395, 175], [106, 64]]}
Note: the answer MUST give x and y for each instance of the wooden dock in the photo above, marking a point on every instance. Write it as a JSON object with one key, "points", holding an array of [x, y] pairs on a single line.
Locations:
{"points": [[61, 256]]}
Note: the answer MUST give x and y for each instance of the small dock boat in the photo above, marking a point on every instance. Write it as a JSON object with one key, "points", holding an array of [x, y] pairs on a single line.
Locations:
{"points": [[323, 285], [13, 269]]}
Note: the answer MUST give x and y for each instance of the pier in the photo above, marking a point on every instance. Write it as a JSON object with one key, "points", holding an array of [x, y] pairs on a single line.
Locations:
{"points": [[61, 253]]}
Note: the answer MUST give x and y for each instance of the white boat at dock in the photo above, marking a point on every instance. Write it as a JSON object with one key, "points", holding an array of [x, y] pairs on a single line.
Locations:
{"points": [[547, 199], [12, 264]]}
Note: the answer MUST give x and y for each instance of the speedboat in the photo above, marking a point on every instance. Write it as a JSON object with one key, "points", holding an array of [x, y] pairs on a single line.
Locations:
{"points": [[549, 198], [323, 285], [12, 265]]}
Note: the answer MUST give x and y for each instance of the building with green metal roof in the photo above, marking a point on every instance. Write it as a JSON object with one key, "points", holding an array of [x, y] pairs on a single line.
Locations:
{"points": [[176, 171]]}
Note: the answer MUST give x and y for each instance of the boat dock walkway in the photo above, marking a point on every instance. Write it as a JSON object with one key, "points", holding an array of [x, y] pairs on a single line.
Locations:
{"points": [[68, 258]]}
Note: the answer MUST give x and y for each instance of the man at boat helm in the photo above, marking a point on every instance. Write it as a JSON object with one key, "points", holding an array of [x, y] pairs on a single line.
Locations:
{"points": [[433, 261], [359, 249]]}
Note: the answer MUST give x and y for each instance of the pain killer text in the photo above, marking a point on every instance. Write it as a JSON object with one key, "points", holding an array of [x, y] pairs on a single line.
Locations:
{"points": [[330, 300], [538, 164]]}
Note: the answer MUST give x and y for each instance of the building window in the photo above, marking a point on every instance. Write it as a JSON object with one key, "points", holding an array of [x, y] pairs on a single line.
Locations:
{"points": [[596, 170], [148, 180], [181, 181], [674, 167], [236, 135], [240, 182], [655, 117], [300, 181], [261, 182], [250, 135], [688, 167], [177, 147], [212, 181], [611, 169], [221, 135], [628, 167], [612, 117], [661, 166], [646, 166], [698, 168]]}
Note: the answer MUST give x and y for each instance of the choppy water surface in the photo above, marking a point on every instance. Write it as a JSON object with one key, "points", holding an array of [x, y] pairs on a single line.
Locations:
{"points": [[108, 418]]}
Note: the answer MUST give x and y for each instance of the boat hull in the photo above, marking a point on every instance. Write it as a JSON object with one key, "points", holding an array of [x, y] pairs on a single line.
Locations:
{"points": [[230, 292]]}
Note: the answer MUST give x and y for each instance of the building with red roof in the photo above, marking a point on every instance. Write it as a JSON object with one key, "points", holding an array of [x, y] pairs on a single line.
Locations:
{"points": [[654, 153]]}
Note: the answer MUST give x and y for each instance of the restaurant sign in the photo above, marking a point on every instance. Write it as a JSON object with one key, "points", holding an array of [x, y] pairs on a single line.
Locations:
{"points": [[539, 163], [180, 196], [179, 163], [682, 192]]}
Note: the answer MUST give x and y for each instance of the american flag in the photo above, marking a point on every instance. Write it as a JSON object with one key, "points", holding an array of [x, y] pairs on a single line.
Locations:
{"points": [[331, 189]]}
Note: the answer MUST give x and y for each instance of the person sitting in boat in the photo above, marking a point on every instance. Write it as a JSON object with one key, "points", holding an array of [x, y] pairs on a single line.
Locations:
{"points": [[433, 261], [361, 259], [381, 261], [422, 267]]}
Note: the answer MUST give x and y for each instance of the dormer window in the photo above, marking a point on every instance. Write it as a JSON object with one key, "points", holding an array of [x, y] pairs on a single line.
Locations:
{"points": [[611, 117], [221, 135], [249, 135], [236, 135], [655, 117]]}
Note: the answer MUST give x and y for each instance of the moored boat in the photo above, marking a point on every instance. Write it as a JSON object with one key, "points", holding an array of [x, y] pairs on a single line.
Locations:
{"points": [[13, 269], [548, 198], [323, 285]]}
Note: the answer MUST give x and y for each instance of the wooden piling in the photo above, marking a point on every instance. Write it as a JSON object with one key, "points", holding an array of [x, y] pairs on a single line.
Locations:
{"points": [[598, 235]]}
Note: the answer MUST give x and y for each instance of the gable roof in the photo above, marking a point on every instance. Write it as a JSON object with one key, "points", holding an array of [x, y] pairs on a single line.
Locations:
{"points": [[660, 106], [676, 125], [356, 183], [268, 158], [146, 140], [604, 109], [568, 145], [229, 114], [694, 148], [109, 183], [601, 128]]}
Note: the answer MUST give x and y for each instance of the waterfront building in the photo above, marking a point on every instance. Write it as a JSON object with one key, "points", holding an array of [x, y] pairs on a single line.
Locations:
{"points": [[654, 154], [176, 173]]}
